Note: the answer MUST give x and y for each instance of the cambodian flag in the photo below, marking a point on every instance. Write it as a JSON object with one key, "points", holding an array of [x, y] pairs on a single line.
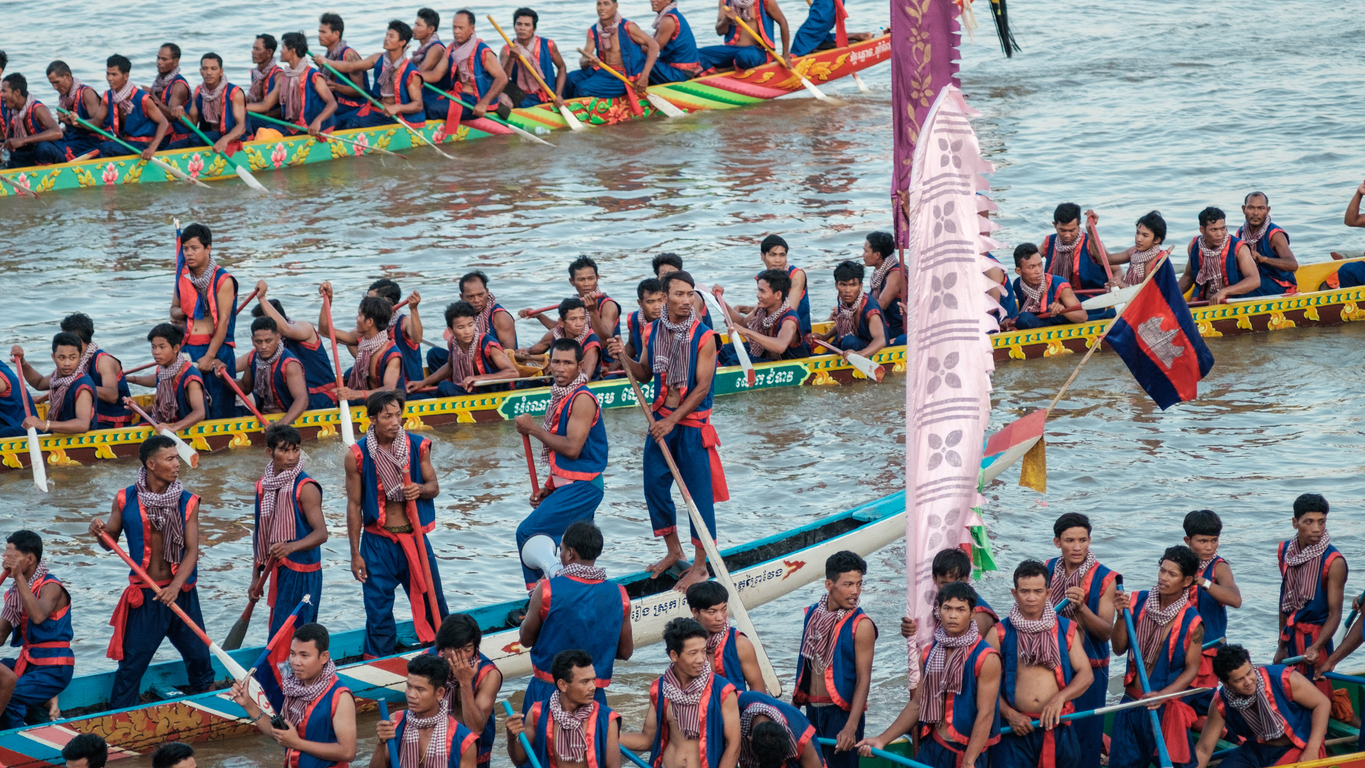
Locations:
{"points": [[1158, 340], [276, 652]]}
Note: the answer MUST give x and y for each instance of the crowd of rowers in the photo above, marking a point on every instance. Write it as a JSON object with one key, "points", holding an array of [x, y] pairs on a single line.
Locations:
{"points": [[461, 80]]}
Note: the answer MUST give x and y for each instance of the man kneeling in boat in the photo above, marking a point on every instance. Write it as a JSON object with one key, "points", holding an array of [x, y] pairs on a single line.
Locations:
{"points": [[397, 83], [741, 50], [1045, 669], [690, 707], [390, 487], [37, 609], [571, 722], [129, 113], [217, 109], [1269, 246], [1045, 298], [289, 530], [474, 680], [378, 363], [1277, 714], [181, 401], [732, 653], [775, 328], [317, 709], [33, 136], [71, 391], [1220, 265], [161, 521], [619, 44], [271, 373], [859, 326], [679, 59], [303, 98], [470, 356], [428, 735]]}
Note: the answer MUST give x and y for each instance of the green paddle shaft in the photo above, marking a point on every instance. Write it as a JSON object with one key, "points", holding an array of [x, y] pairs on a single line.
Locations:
{"points": [[190, 124], [108, 136], [457, 97]]}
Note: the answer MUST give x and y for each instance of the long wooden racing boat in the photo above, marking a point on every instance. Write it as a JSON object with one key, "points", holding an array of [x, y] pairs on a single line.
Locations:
{"points": [[763, 571], [720, 91]]}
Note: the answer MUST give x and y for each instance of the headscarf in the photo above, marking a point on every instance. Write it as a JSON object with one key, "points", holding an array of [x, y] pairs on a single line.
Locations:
{"points": [[1303, 571], [163, 512], [277, 494], [673, 356], [943, 671], [686, 701]]}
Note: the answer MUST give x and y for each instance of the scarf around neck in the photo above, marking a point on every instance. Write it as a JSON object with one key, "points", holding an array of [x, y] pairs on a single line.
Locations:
{"points": [[13, 610], [821, 637], [420, 55], [943, 670], [260, 79], [71, 99], [364, 353], [767, 324], [1267, 724], [1033, 297], [1061, 582], [1211, 276], [673, 357], [58, 385], [166, 403], [1062, 256], [557, 395], [1138, 263], [390, 463], [162, 82], [263, 373], [18, 126], [277, 494], [571, 740], [484, 322], [1251, 238], [461, 55], [1302, 573], [607, 33], [686, 700], [437, 754], [879, 274], [291, 96], [846, 317], [462, 360], [1035, 644], [584, 571], [123, 98], [211, 101], [163, 512], [298, 695], [1154, 619]]}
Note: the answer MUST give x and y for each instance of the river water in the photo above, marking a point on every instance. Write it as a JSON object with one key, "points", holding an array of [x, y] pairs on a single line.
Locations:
{"points": [[1122, 108]]}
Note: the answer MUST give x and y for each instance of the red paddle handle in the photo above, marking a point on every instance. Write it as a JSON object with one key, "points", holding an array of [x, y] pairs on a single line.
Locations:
{"points": [[336, 357], [1104, 258], [222, 372], [246, 301], [830, 347], [530, 463], [23, 396], [116, 549], [543, 310]]}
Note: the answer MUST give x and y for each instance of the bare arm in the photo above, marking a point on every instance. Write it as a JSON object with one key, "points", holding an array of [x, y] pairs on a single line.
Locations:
{"points": [[310, 499], [1336, 584], [517, 725], [529, 631], [651, 48], [748, 664], [490, 63], [194, 393], [612, 759], [478, 711], [643, 739], [878, 330], [1068, 305], [106, 379], [429, 63], [298, 389], [625, 644], [1224, 588], [864, 643], [1251, 276], [1284, 257], [729, 710], [431, 487], [987, 691], [1208, 739], [505, 329], [354, 521], [561, 72], [85, 411], [1307, 695], [1353, 217]]}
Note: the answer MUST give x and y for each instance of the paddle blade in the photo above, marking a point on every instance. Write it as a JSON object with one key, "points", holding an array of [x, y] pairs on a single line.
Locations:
{"points": [[525, 134], [35, 457], [347, 430], [237, 634], [1112, 298], [814, 91], [245, 176], [664, 105], [571, 119], [861, 85], [867, 368], [742, 352], [183, 449], [176, 172]]}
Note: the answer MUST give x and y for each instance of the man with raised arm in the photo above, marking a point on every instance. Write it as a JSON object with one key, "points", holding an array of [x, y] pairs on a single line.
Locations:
{"points": [[473, 682], [303, 342], [573, 325], [470, 356]]}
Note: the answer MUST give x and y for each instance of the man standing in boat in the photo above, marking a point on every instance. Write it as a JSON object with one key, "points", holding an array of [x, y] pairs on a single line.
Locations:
{"points": [[304, 96], [271, 373], [427, 735], [775, 327], [576, 608], [1269, 246], [289, 530], [301, 339], [741, 50], [1214, 591], [1313, 579], [180, 400], [621, 45], [71, 392], [834, 665], [319, 711], [691, 708], [859, 326], [1046, 299], [205, 301], [129, 113], [37, 609], [1220, 265], [887, 284], [161, 520], [682, 352], [1045, 670], [731, 653], [562, 729], [390, 487], [474, 680], [1276, 713], [574, 445]]}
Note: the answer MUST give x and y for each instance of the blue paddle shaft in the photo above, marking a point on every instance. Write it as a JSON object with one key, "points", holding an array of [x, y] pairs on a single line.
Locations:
{"points": [[521, 737], [1146, 687], [883, 754], [393, 745], [634, 758]]}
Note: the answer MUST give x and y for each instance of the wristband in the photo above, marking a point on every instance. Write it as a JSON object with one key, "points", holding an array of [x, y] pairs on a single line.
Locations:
{"points": [[1208, 583]]}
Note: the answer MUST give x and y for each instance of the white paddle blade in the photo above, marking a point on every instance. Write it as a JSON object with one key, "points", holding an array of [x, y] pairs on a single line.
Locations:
{"points": [[571, 119], [35, 457], [347, 430], [528, 135], [1105, 300], [250, 180], [867, 367], [253, 687], [182, 448], [861, 85], [664, 105], [176, 172], [742, 352], [814, 91]]}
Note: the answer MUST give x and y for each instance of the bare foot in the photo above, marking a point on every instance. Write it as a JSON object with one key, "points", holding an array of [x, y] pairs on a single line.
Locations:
{"points": [[695, 575], [53, 711], [664, 564]]}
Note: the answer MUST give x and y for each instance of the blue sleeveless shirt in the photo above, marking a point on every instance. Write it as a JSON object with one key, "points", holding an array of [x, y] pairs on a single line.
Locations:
{"points": [[841, 676], [712, 740], [595, 733], [309, 559], [372, 508], [577, 613]]}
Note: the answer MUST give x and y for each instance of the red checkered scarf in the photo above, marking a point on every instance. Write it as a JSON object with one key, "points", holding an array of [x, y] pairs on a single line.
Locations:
{"points": [[1062, 582], [17, 128], [571, 738], [584, 571], [557, 395], [525, 80], [163, 512], [263, 374], [767, 324], [212, 102], [162, 82], [879, 274], [58, 385], [716, 639], [607, 32], [365, 351], [390, 463], [420, 55], [123, 98], [13, 611], [1303, 571], [943, 672], [260, 80], [72, 97], [1257, 710], [673, 356], [438, 752], [1210, 275], [484, 322], [298, 694], [291, 95], [747, 758], [818, 643], [558, 333], [686, 702], [462, 360], [388, 74], [1154, 618], [277, 494], [453, 682], [663, 13], [1062, 256], [1035, 644], [1033, 297], [846, 317], [461, 55], [1252, 238], [1137, 264], [165, 405]]}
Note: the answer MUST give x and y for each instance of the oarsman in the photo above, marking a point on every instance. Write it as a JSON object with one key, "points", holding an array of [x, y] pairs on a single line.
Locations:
{"points": [[289, 529], [170, 90], [205, 301], [318, 710], [681, 352], [1085, 591], [397, 82], [1220, 265], [270, 372], [562, 729], [473, 69], [858, 323], [1002, 293], [959, 666], [1276, 713], [523, 90], [576, 608], [470, 355], [621, 45], [493, 319], [79, 98], [85, 750], [409, 341], [304, 95], [679, 59], [267, 79], [181, 400], [775, 735], [773, 251], [1169, 642], [473, 681], [574, 445], [690, 707], [390, 487], [775, 328], [71, 399], [1045, 668], [834, 665], [105, 370], [1313, 578], [428, 57], [428, 735], [346, 92], [1044, 298], [573, 324], [650, 298], [161, 521], [731, 652], [741, 50], [1353, 274], [1269, 246], [1067, 252], [665, 263], [32, 134], [218, 108], [887, 284], [1148, 237], [952, 565], [378, 363], [13, 397], [173, 755], [37, 609], [304, 343], [1214, 591], [604, 312], [823, 29]]}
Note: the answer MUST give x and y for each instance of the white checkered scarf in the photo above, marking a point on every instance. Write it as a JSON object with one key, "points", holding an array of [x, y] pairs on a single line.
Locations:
{"points": [[277, 493], [747, 758], [1257, 710], [1154, 619], [13, 610], [203, 282], [484, 322], [584, 571], [659, 18], [1035, 645], [1062, 582], [163, 512], [1252, 238], [1210, 275], [1062, 256], [388, 74], [571, 738], [123, 98], [1302, 572], [462, 361], [686, 702], [943, 673], [461, 56], [260, 79], [558, 333], [557, 395], [58, 385], [1138, 262], [607, 32], [438, 752], [391, 464], [72, 97], [767, 324], [211, 111], [818, 643], [716, 639], [298, 695], [162, 82], [292, 99], [846, 317], [17, 127], [365, 351], [879, 274], [672, 356], [165, 405], [262, 375]]}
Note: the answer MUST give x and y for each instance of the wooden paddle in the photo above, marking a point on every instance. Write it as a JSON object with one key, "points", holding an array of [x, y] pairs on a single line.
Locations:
{"points": [[530, 464], [422, 139], [246, 301], [659, 102], [1162, 756], [1104, 257], [329, 137], [347, 430], [392, 744], [231, 382], [861, 85], [142, 367], [525, 134], [35, 451], [864, 365], [718, 306], [183, 449], [167, 167], [541, 311], [808, 85], [20, 191], [701, 533], [564, 110], [488, 382], [241, 172], [233, 668], [237, 634]]}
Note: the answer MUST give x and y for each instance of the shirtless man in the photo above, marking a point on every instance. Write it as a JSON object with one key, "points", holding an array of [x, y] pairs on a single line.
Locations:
{"points": [[621, 45]]}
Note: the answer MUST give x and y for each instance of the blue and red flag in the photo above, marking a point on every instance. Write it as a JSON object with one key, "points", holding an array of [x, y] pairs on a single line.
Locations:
{"points": [[276, 652], [1159, 342]]}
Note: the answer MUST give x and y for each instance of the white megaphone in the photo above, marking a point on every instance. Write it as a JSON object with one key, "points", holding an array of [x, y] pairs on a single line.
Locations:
{"points": [[540, 553]]}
